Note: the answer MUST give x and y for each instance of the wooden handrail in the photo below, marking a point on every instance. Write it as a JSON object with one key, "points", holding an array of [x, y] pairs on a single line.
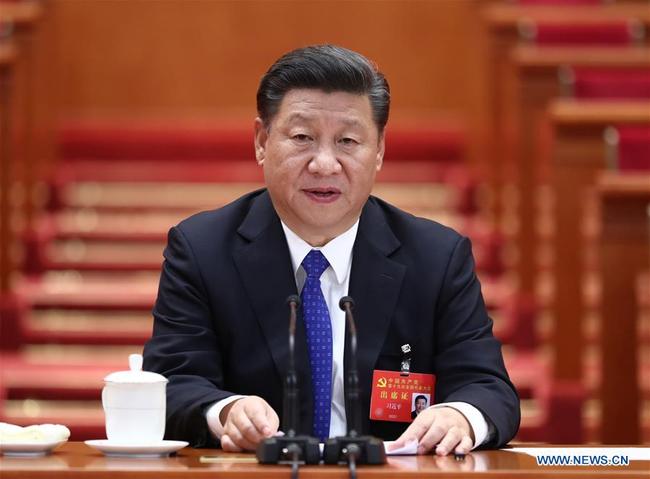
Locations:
{"points": [[624, 255], [504, 16]]}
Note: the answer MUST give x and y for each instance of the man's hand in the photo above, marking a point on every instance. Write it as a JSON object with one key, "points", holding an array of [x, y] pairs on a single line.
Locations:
{"points": [[246, 422], [444, 429]]}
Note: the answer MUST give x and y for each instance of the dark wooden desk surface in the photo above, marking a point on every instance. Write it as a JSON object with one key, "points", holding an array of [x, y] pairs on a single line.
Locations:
{"points": [[76, 460]]}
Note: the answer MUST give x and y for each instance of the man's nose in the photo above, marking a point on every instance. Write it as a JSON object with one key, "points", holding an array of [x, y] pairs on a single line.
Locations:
{"points": [[325, 161]]}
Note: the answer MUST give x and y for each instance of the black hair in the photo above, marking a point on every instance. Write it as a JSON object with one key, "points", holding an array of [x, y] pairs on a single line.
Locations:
{"points": [[324, 67], [421, 396]]}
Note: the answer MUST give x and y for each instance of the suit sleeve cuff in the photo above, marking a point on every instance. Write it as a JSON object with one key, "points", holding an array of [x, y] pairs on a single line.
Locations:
{"points": [[213, 412], [476, 420]]}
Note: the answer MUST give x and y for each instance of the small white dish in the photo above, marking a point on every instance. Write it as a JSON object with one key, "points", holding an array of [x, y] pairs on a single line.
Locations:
{"points": [[23, 449], [155, 449]]}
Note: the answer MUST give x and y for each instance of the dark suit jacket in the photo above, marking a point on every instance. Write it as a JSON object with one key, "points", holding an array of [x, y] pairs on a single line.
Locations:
{"points": [[221, 320]]}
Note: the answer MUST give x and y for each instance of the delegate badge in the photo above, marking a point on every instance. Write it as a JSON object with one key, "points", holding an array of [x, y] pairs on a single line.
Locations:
{"points": [[400, 398]]}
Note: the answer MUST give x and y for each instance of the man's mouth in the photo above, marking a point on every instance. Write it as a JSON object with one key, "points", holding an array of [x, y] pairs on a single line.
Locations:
{"points": [[322, 195]]}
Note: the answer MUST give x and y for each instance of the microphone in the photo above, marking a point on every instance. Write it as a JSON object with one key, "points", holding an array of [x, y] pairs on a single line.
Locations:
{"points": [[352, 387], [353, 448], [291, 448], [290, 399]]}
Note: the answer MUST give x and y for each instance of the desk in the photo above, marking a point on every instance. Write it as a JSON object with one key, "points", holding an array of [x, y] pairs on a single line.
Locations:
{"points": [[76, 460]]}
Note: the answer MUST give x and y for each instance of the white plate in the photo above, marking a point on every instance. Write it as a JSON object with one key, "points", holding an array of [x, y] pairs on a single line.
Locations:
{"points": [[116, 449], [28, 448]]}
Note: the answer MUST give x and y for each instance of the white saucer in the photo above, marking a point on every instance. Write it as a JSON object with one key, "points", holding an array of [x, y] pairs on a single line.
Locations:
{"points": [[118, 449], [28, 448]]}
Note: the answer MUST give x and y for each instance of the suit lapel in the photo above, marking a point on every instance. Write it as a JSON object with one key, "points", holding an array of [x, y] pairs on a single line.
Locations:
{"points": [[375, 284], [264, 264]]}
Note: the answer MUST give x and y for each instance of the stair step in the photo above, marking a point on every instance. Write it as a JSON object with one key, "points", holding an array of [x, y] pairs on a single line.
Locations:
{"points": [[213, 141], [105, 255], [89, 412], [137, 290], [112, 248], [85, 419], [23, 377], [58, 386], [152, 227], [125, 138], [104, 321], [114, 357], [88, 327], [36, 336], [91, 224], [91, 290], [155, 171], [155, 196]]}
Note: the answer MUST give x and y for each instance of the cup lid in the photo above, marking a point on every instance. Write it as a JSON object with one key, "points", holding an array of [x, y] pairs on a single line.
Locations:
{"points": [[135, 373]]}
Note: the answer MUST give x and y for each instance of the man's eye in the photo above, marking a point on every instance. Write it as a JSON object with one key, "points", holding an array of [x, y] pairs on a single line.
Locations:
{"points": [[301, 137], [348, 141]]}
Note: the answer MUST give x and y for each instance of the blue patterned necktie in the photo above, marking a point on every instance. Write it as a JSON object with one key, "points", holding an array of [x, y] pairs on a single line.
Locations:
{"points": [[319, 342]]}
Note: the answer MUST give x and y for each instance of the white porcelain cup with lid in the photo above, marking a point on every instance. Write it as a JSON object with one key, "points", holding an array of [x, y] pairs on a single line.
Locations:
{"points": [[134, 404]]}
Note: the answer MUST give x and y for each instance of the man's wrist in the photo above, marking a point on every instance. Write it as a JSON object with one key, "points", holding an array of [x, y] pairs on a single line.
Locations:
{"points": [[218, 410], [223, 415], [477, 421]]}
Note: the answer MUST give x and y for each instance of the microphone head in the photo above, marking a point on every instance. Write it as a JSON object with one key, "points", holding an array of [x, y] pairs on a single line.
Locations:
{"points": [[295, 299], [346, 300]]}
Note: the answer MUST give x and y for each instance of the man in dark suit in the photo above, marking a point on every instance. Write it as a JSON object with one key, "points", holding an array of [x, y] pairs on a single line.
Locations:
{"points": [[220, 330]]}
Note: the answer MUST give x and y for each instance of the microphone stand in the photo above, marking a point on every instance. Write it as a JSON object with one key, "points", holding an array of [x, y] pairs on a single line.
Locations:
{"points": [[353, 449], [291, 448]]}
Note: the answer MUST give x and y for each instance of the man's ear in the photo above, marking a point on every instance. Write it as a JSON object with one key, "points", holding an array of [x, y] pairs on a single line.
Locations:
{"points": [[381, 147], [261, 136]]}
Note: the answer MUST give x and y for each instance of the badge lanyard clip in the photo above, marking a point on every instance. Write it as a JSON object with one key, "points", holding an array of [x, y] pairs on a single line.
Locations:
{"points": [[405, 369]]}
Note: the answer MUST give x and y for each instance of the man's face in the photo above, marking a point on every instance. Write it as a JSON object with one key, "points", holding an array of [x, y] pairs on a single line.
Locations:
{"points": [[420, 404], [320, 156]]}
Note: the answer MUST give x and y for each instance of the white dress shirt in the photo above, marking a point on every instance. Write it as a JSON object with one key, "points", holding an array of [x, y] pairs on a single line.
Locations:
{"points": [[334, 284]]}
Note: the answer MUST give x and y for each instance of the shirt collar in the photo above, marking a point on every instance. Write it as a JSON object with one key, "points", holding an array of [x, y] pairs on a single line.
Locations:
{"points": [[338, 252]]}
